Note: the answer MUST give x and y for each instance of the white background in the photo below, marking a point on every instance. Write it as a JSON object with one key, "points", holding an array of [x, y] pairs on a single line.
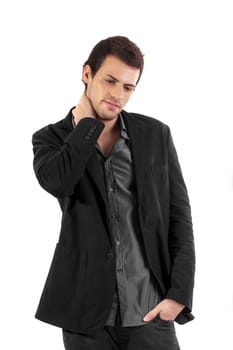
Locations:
{"points": [[187, 83]]}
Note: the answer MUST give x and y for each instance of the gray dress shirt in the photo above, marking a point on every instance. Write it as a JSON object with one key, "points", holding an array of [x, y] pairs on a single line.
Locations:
{"points": [[136, 289]]}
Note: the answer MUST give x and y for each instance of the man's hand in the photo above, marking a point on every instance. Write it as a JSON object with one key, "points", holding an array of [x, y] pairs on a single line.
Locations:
{"points": [[167, 310], [83, 109]]}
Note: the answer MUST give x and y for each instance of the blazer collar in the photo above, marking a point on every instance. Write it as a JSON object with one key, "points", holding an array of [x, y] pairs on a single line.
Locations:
{"points": [[67, 121]]}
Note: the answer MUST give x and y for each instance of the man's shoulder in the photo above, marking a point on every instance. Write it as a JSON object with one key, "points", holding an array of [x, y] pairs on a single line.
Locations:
{"points": [[56, 127], [146, 120]]}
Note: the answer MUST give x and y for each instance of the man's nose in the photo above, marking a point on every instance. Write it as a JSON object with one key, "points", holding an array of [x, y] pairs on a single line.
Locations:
{"points": [[117, 92]]}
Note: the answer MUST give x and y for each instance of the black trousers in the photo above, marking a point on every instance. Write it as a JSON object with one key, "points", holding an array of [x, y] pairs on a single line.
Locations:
{"points": [[155, 335]]}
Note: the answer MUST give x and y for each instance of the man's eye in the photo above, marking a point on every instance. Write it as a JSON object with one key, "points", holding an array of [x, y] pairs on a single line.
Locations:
{"points": [[109, 81], [129, 88]]}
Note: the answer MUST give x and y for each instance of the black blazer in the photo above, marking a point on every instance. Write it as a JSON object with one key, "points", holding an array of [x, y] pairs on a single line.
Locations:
{"points": [[79, 289]]}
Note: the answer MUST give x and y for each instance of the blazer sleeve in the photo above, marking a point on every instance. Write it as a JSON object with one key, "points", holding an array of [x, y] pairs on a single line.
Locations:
{"points": [[181, 240], [59, 164]]}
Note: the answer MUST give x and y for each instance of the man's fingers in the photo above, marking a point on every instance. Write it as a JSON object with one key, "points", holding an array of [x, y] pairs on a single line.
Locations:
{"points": [[152, 314]]}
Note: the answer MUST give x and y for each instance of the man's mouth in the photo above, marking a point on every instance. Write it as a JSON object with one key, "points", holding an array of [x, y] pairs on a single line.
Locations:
{"points": [[112, 104]]}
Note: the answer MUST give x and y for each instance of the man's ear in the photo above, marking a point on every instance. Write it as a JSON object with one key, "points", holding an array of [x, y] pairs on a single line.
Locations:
{"points": [[86, 74]]}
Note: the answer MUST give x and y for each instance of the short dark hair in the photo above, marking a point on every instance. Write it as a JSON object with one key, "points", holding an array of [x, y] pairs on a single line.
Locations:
{"points": [[120, 47]]}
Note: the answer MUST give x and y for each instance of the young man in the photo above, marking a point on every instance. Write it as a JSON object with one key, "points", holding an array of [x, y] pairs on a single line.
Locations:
{"points": [[123, 267]]}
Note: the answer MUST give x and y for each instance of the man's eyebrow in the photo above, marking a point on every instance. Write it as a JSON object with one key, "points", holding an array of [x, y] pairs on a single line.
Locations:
{"points": [[112, 77]]}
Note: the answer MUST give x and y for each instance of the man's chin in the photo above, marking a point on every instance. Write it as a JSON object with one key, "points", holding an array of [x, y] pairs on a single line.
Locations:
{"points": [[107, 117]]}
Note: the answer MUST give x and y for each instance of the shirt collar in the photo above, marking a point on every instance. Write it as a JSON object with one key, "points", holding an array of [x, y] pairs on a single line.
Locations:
{"points": [[124, 132]]}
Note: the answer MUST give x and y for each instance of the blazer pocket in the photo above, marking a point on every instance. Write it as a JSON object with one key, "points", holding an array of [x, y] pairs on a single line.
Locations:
{"points": [[160, 322], [65, 282]]}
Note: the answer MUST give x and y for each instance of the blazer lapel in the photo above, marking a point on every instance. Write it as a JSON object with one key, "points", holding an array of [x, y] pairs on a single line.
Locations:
{"points": [[137, 137], [94, 168]]}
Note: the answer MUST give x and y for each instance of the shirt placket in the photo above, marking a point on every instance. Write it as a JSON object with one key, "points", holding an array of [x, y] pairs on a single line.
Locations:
{"points": [[115, 220], [114, 212]]}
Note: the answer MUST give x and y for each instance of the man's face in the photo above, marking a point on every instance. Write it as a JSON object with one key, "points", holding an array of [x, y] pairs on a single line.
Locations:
{"points": [[111, 87]]}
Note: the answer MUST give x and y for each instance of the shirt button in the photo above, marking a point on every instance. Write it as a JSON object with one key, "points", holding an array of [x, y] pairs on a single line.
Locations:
{"points": [[110, 255], [120, 269], [110, 218], [117, 242]]}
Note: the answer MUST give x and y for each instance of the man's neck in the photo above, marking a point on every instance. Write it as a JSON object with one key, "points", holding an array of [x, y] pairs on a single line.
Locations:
{"points": [[111, 126]]}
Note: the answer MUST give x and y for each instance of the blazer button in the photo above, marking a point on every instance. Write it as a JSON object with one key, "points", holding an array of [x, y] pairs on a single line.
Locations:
{"points": [[110, 255]]}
